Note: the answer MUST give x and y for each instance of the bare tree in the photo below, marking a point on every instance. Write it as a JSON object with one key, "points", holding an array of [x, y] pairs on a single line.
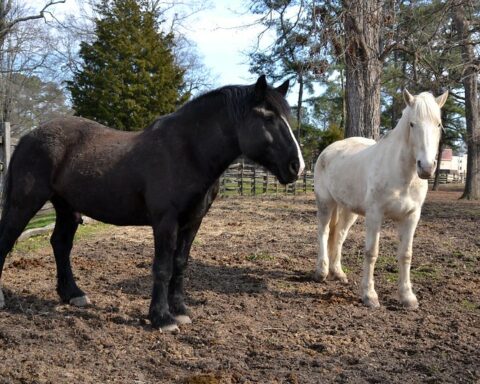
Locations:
{"points": [[10, 17], [463, 27], [24, 49]]}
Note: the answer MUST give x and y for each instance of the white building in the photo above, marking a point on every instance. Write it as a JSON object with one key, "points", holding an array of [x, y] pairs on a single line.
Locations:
{"points": [[455, 167]]}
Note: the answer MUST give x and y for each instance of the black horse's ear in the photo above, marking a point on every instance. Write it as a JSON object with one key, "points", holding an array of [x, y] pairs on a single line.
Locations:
{"points": [[283, 89], [260, 88]]}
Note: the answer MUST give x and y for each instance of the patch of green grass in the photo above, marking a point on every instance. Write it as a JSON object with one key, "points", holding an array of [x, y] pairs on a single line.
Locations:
{"points": [[259, 256], [457, 253], [469, 305], [198, 241], [391, 277], [32, 244], [35, 243], [41, 220], [425, 272]]}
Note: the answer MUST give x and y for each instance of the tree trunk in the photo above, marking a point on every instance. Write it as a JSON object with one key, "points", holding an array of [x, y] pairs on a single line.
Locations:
{"points": [[470, 77], [436, 182], [363, 20]]}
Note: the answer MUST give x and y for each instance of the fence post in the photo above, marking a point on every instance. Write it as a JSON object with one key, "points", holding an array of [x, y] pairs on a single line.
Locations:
{"points": [[5, 149], [241, 178], [7, 143], [254, 176]]}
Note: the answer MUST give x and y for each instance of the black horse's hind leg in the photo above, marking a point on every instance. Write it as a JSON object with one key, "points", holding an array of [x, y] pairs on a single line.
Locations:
{"points": [[14, 220], [62, 241], [176, 294]]}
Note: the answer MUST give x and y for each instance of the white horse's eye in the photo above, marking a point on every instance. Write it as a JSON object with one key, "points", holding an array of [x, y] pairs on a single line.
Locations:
{"points": [[411, 124]]}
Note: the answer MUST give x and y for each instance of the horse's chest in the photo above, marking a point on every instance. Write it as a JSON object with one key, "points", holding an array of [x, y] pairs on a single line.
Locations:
{"points": [[401, 205]]}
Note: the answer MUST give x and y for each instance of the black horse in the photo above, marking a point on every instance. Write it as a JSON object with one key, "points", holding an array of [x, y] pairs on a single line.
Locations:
{"points": [[165, 177]]}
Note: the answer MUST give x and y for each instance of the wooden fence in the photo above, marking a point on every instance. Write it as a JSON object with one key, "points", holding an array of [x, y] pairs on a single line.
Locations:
{"points": [[251, 180]]}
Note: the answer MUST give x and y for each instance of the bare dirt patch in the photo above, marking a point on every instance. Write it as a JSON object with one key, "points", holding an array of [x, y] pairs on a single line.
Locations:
{"points": [[258, 315]]}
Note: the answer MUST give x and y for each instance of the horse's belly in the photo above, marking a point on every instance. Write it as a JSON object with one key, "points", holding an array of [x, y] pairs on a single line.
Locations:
{"points": [[108, 206]]}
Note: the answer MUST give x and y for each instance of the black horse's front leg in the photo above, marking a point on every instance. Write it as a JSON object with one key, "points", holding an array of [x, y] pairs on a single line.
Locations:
{"points": [[176, 294], [165, 235]]}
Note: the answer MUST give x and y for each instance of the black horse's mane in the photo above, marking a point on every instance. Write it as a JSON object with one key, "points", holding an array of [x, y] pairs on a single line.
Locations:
{"points": [[236, 99]]}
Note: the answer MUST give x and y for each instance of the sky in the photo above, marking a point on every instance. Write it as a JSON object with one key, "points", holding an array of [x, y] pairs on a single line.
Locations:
{"points": [[219, 32]]}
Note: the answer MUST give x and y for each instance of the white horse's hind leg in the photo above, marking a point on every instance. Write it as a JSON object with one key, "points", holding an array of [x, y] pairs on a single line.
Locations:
{"points": [[406, 230], [324, 215], [345, 220], [369, 296]]}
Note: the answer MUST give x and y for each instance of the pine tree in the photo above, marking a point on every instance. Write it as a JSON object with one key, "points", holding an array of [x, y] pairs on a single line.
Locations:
{"points": [[129, 75]]}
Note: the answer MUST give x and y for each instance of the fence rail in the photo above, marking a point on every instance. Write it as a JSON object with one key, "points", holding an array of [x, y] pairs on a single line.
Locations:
{"points": [[250, 180]]}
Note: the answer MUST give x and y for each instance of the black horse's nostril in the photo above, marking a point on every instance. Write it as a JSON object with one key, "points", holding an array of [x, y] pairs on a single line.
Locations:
{"points": [[419, 164], [294, 166]]}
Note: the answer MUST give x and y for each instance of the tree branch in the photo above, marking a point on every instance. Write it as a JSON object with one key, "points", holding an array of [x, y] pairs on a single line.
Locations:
{"points": [[7, 27]]}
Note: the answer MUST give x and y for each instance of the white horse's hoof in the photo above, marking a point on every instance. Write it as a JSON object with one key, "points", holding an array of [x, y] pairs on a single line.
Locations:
{"points": [[340, 276], [2, 299], [171, 328], [183, 319], [371, 302], [81, 301], [410, 303], [320, 277]]}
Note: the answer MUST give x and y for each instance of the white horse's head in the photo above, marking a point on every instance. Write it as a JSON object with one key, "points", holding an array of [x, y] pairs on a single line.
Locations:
{"points": [[425, 124]]}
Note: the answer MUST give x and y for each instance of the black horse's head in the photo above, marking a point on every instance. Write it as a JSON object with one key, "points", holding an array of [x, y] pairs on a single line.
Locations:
{"points": [[266, 137]]}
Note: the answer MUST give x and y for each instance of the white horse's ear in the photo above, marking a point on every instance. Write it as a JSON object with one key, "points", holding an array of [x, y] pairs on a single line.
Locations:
{"points": [[442, 99], [408, 97]]}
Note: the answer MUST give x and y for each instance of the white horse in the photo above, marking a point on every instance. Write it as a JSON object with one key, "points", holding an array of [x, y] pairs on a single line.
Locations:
{"points": [[388, 178]]}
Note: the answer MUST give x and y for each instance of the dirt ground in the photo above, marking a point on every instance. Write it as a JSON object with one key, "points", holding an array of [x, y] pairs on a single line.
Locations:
{"points": [[258, 316]]}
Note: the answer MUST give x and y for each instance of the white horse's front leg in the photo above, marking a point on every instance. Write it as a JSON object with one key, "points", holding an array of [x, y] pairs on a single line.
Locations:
{"points": [[369, 296], [406, 230]]}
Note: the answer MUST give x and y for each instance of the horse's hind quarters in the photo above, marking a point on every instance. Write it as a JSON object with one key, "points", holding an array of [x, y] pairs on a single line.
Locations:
{"points": [[2, 299], [81, 301]]}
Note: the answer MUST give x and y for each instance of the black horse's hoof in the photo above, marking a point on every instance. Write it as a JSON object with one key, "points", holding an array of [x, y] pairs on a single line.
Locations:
{"points": [[81, 301], [165, 322], [178, 308], [71, 294]]}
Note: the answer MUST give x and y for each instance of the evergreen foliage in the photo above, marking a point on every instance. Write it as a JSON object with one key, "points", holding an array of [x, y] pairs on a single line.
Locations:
{"points": [[129, 75]]}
